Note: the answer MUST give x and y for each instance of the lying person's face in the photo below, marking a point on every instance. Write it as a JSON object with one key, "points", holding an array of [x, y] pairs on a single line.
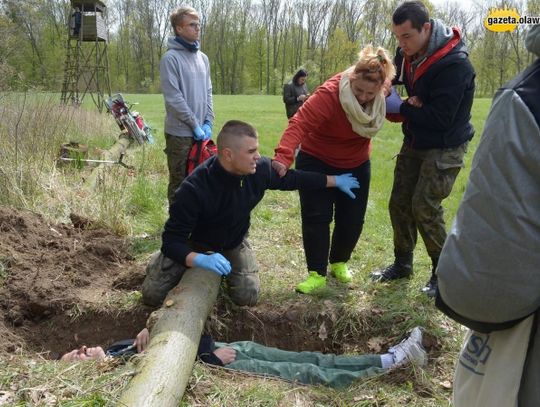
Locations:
{"points": [[365, 90], [84, 353]]}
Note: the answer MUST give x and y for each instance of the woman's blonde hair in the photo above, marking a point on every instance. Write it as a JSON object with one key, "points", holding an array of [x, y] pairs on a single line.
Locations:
{"points": [[373, 66]]}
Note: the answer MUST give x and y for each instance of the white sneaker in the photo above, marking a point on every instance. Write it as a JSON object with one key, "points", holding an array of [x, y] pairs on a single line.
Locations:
{"points": [[410, 350]]}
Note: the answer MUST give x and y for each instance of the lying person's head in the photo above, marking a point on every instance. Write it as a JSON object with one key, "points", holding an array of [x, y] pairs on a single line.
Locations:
{"points": [[238, 147], [84, 353]]}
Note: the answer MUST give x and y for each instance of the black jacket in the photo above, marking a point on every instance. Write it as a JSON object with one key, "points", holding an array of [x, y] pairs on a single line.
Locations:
{"points": [[290, 97], [212, 207], [446, 87], [205, 352]]}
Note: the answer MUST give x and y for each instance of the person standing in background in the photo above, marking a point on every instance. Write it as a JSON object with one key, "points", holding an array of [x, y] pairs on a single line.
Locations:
{"points": [[295, 93], [187, 90]]}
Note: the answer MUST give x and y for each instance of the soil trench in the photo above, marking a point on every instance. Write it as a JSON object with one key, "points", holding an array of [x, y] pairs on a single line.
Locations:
{"points": [[55, 280]]}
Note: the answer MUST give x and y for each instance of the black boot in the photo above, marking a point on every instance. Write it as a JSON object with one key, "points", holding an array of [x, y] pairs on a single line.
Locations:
{"points": [[430, 288], [401, 268]]}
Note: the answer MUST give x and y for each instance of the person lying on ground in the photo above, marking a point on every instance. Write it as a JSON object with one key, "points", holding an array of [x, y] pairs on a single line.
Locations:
{"points": [[210, 217], [305, 367], [207, 352]]}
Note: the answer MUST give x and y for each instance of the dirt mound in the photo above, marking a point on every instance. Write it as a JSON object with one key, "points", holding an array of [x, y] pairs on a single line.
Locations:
{"points": [[48, 269], [57, 281]]}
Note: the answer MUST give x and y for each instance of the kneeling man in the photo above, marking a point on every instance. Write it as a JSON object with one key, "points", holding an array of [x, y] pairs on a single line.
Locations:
{"points": [[210, 217]]}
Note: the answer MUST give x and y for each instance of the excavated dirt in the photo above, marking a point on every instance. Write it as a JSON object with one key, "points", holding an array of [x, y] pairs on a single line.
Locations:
{"points": [[55, 280], [50, 273]]}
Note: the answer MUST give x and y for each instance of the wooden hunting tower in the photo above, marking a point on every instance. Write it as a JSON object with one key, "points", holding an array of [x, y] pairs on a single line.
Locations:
{"points": [[86, 68]]}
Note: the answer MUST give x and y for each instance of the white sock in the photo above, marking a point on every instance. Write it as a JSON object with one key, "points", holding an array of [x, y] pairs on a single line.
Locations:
{"points": [[387, 360]]}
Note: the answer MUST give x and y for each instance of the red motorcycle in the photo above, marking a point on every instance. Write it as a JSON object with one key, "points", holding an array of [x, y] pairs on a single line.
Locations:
{"points": [[132, 122]]}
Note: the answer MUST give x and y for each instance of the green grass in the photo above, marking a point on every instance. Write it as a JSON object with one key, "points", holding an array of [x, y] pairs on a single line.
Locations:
{"points": [[363, 311]]}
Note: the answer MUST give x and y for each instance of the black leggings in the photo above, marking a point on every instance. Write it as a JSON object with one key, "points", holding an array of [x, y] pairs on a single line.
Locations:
{"points": [[321, 206]]}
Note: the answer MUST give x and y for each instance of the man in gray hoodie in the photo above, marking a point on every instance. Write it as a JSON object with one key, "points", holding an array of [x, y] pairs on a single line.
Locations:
{"points": [[187, 90], [489, 268]]}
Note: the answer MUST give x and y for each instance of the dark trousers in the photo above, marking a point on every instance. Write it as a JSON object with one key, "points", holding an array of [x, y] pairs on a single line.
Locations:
{"points": [[319, 207]]}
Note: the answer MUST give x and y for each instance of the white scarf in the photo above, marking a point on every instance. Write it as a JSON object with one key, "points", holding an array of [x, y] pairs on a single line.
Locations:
{"points": [[366, 122]]}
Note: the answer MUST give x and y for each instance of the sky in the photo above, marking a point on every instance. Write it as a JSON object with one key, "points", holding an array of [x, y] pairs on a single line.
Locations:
{"points": [[465, 4]]}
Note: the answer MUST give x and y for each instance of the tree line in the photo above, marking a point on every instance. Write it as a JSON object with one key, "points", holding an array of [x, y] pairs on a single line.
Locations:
{"points": [[254, 46]]}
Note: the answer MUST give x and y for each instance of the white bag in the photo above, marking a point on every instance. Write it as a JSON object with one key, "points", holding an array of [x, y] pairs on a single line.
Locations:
{"points": [[490, 366]]}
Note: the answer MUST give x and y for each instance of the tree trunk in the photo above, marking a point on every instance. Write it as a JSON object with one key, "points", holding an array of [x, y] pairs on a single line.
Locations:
{"points": [[165, 370], [112, 154]]}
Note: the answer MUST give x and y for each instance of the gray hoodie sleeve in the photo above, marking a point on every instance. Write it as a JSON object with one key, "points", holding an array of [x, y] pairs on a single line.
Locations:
{"points": [[175, 101], [209, 101]]}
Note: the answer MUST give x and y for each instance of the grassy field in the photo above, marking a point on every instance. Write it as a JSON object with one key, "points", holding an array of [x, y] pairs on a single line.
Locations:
{"points": [[364, 311]]}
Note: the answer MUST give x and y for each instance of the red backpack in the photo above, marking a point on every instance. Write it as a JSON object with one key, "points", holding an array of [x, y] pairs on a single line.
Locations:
{"points": [[199, 153]]}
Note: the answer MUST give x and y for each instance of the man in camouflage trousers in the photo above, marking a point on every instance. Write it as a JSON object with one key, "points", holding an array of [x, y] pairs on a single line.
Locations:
{"points": [[433, 64]]}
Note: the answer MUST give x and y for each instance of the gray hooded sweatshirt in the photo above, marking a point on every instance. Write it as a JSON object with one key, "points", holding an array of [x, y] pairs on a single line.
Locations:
{"points": [[187, 89], [489, 269]]}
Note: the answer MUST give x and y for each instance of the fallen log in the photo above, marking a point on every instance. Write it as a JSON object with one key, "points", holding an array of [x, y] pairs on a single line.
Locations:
{"points": [[164, 371], [112, 154]]}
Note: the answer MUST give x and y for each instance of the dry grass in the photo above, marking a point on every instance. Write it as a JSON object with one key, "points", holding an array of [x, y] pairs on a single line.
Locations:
{"points": [[35, 381], [32, 130]]}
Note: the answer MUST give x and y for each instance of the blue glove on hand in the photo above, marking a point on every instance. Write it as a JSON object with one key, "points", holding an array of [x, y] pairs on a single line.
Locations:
{"points": [[207, 128], [213, 262], [198, 133], [346, 182]]}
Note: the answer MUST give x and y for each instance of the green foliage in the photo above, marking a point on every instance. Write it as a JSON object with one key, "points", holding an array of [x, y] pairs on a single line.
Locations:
{"points": [[253, 47], [146, 204]]}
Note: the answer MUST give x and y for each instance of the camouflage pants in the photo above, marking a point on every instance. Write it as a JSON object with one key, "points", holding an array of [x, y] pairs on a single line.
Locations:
{"points": [[422, 179], [177, 151], [163, 274]]}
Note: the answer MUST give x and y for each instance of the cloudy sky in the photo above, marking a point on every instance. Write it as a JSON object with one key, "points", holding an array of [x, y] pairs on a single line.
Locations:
{"points": [[466, 4]]}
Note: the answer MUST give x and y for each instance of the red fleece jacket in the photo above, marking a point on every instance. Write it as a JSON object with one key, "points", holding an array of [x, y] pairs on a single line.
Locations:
{"points": [[322, 130]]}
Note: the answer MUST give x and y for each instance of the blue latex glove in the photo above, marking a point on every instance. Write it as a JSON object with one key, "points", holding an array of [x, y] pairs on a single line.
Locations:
{"points": [[207, 128], [346, 182], [213, 262], [198, 133]]}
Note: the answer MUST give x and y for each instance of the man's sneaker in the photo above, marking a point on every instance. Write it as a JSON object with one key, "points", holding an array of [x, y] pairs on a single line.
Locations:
{"points": [[392, 272], [410, 350], [341, 272], [312, 283], [431, 287]]}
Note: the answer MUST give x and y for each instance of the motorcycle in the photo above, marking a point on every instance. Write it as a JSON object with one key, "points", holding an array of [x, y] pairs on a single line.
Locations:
{"points": [[132, 122]]}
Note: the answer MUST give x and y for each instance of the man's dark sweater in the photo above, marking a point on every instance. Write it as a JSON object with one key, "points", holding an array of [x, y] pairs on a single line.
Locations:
{"points": [[205, 352], [212, 207], [444, 82]]}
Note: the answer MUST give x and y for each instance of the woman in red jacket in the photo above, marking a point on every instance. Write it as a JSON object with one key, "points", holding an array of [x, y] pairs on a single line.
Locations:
{"points": [[333, 131]]}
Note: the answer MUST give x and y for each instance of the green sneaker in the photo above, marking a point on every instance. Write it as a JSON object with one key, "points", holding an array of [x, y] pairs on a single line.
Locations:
{"points": [[341, 272], [312, 283]]}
